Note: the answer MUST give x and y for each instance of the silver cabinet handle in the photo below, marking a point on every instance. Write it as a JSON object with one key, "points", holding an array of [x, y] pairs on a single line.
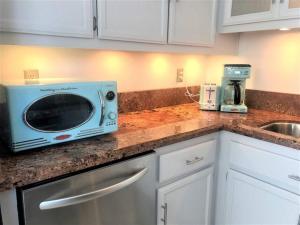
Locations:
{"points": [[95, 23], [73, 200], [165, 208], [195, 160], [298, 220], [294, 177], [102, 107]]}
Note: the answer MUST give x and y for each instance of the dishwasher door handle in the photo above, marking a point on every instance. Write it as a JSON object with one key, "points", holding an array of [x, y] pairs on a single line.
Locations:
{"points": [[73, 200]]}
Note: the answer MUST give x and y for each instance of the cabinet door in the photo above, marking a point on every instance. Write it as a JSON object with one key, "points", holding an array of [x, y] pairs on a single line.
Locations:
{"points": [[192, 22], [249, 11], [52, 17], [290, 9], [133, 20], [187, 201], [250, 201]]}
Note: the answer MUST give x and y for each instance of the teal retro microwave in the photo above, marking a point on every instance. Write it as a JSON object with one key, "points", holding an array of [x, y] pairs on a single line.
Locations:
{"points": [[33, 116]]}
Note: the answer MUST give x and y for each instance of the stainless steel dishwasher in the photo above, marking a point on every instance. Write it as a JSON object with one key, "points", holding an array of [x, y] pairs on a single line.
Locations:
{"points": [[119, 194]]}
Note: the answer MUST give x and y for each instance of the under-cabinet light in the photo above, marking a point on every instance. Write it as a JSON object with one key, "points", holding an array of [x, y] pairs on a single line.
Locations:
{"points": [[284, 29]]}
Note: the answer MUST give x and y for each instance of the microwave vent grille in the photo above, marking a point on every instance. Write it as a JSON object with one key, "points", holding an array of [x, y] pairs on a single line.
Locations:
{"points": [[21, 145], [90, 132]]}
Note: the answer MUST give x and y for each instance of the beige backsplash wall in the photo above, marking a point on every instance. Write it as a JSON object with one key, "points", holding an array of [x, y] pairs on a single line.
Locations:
{"points": [[274, 56], [133, 70]]}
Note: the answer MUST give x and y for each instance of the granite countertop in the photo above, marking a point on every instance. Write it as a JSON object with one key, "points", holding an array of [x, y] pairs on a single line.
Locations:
{"points": [[138, 132]]}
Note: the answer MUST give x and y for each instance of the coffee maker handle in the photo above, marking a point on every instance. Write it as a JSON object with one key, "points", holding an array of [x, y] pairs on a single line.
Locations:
{"points": [[237, 93]]}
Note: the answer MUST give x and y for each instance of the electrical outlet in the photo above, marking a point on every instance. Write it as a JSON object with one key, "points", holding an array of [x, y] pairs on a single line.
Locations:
{"points": [[31, 76], [179, 77]]}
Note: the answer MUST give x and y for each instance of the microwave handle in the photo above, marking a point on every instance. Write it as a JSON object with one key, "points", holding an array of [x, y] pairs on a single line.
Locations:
{"points": [[74, 200], [102, 107]]}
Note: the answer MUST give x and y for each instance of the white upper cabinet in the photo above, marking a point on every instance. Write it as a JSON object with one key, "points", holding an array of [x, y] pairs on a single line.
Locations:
{"points": [[246, 11], [133, 20], [185, 26], [51, 17], [253, 15], [290, 9], [192, 22]]}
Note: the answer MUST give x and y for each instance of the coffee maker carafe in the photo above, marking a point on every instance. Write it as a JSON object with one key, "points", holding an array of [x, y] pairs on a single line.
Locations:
{"points": [[233, 88]]}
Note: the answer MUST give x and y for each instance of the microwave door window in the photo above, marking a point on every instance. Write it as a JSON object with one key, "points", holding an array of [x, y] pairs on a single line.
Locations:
{"points": [[58, 112]]}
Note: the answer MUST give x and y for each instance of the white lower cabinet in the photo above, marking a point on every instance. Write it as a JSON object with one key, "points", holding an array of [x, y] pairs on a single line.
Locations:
{"points": [[186, 181], [251, 201], [187, 201], [258, 182]]}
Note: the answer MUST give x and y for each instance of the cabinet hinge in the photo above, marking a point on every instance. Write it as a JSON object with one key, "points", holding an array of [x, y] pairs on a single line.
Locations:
{"points": [[95, 27]]}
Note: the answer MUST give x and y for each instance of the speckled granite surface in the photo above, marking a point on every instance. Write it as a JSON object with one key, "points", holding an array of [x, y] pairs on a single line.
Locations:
{"points": [[151, 99], [139, 132], [273, 101]]}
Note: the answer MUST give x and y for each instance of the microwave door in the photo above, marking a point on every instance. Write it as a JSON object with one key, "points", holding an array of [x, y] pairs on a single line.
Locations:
{"points": [[58, 112]]}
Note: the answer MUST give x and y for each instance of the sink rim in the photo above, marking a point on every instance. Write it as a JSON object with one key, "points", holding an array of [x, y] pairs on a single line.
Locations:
{"points": [[280, 122], [284, 124]]}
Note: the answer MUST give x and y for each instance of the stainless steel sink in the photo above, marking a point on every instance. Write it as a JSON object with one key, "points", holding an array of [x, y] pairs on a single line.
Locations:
{"points": [[291, 129]]}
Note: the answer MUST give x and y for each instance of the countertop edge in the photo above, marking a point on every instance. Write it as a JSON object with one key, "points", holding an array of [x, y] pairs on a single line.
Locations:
{"points": [[121, 154]]}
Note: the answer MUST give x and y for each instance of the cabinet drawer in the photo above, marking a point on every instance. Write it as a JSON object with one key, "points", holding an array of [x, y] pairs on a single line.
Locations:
{"points": [[186, 160], [275, 169]]}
